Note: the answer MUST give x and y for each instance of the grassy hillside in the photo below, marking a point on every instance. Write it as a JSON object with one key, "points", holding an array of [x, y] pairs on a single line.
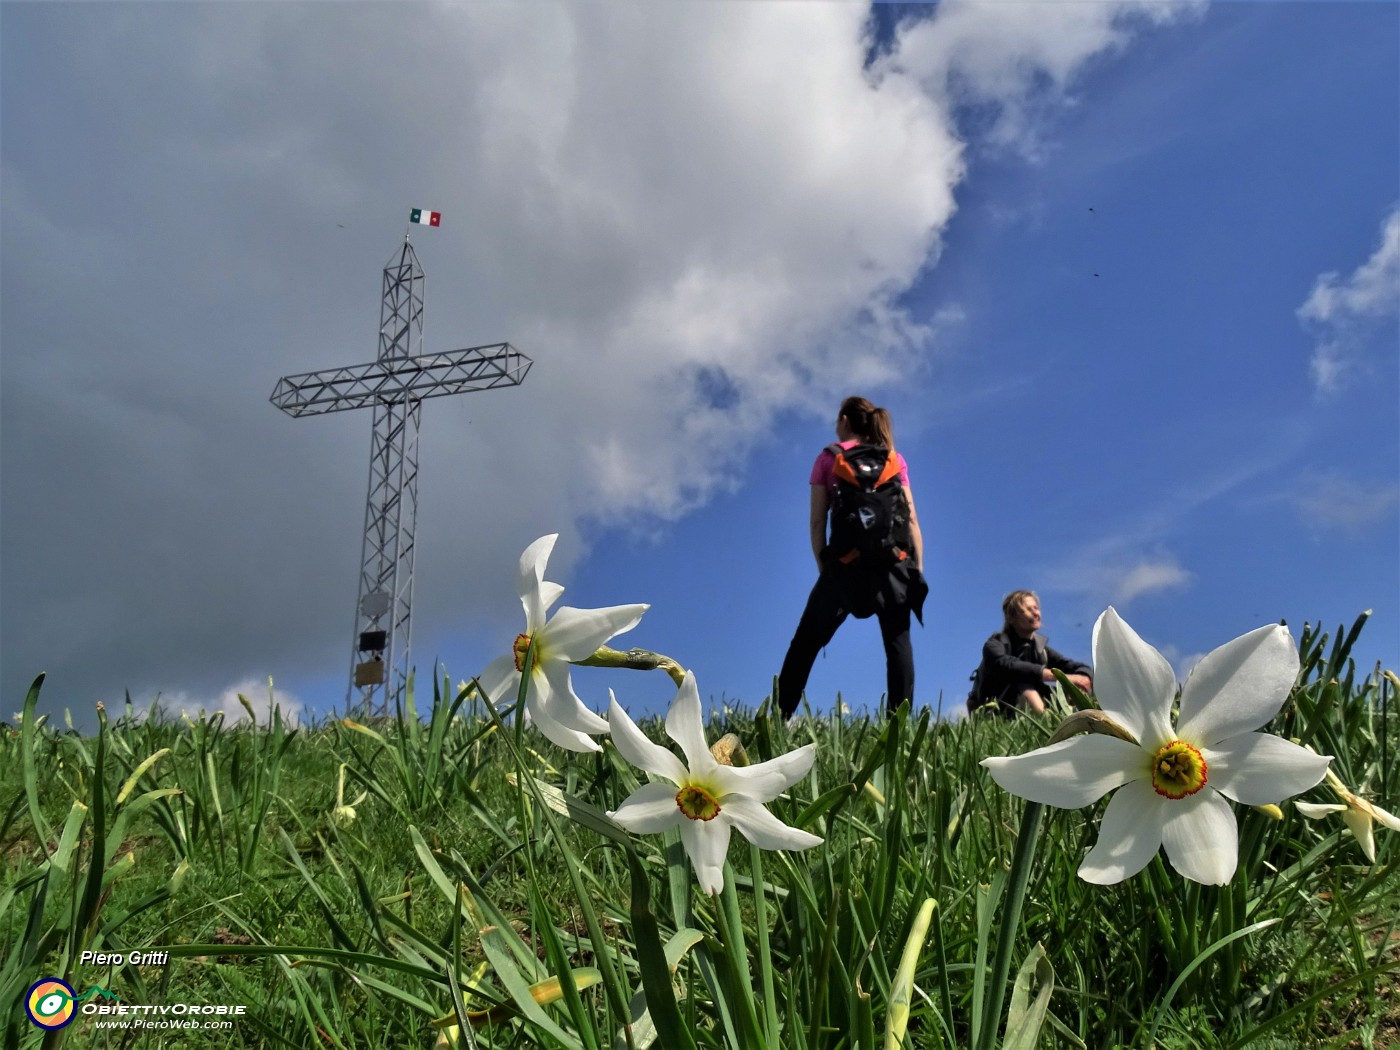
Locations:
{"points": [[377, 884]]}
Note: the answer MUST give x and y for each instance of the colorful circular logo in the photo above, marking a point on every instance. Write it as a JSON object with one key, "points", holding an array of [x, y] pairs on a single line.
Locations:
{"points": [[50, 1003]]}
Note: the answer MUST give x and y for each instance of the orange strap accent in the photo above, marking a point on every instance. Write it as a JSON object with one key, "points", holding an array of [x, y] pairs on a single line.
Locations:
{"points": [[848, 557], [891, 470], [842, 470]]}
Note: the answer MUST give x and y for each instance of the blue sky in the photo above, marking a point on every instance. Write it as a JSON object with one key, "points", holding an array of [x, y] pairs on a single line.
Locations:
{"points": [[1120, 273]]}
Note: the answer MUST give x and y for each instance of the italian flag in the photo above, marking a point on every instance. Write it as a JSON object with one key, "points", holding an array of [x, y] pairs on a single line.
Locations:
{"points": [[425, 218]]}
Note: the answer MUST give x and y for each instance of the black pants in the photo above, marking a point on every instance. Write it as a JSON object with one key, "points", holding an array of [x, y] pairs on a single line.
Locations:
{"points": [[827, 608]]}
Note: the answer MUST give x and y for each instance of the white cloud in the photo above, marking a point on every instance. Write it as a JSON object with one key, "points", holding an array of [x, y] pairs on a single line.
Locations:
{"points": [[261, 697], [1182, 663], [1344, 311], [1186, 664], [1133, 560], [694, 217], [1146, 577], [1020, 59], [725, 205], [1116, 571], [1330, 501], [754, 246]]}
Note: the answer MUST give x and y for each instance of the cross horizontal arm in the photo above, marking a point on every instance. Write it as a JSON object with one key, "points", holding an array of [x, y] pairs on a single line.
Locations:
{"points": [[397, 379]]}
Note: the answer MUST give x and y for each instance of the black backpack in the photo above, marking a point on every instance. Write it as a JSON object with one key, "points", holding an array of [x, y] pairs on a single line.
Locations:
{"points": [[870, 510]]}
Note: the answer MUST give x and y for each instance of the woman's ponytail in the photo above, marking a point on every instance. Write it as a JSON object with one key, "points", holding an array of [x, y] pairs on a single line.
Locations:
{"points": [[881, 431], [870, 423]]}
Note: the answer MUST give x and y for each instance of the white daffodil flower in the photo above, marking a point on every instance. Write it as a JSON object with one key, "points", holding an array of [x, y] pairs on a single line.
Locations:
{"points": [[1174, 781], [706, 799], [571, 634], [1358, 814]]}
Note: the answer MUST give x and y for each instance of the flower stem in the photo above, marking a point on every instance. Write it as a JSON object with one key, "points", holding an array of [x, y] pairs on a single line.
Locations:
{"points": [[736, 961], [763, 956], [634, 660], [1010, 920]]}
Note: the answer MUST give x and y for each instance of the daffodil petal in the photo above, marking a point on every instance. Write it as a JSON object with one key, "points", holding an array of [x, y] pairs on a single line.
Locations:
{"points": [[650, 809], [1201, 838], [539, 715], [500, 681], [1390, 820], [1360, 825], [762, 828], [1072, 773], [574, 634], [765, 781], [1238, 687], [1129, 834], [683, 725], [1133, 681], [549, 594], [529, 577], [634, 746], [1318, 810], [707, 844], [560, 703], [1257, 769], [568, 739]]}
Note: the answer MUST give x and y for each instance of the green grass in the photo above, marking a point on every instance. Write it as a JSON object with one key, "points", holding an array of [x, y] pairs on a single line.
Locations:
{"points": [[479, 875]]}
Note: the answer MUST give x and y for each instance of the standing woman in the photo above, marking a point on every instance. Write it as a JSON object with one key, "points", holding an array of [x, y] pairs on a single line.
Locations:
{"points": [[888, 587]]}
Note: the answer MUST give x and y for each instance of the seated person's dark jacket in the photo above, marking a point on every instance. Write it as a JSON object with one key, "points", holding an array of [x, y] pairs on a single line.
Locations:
{"points": [[1012, 664]]}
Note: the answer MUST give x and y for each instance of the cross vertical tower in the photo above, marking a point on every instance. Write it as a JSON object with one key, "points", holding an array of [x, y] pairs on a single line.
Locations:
{"points": [[391, 508], [395, 386]]}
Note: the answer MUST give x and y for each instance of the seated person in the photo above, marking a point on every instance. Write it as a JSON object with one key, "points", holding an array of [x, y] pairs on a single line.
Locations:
{"points": [[1015, 673]]}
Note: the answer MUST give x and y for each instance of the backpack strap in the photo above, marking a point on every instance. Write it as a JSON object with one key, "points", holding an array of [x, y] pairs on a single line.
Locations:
{"points": [[843, 471], [835, 449]]}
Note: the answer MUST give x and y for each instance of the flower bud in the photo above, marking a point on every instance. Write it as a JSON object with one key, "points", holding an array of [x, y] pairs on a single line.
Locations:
{"points": [[729, 751], [1090, 721]]}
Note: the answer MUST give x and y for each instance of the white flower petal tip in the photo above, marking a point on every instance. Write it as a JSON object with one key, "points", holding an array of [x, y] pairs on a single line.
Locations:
{"points": [[1237, 688], [1358, 814], [1070, 774], [550, 702], [1257, 769], [1172, 782], [634, 746], [536, 555], [1133, 682], [705, 799], [1318, 810]]}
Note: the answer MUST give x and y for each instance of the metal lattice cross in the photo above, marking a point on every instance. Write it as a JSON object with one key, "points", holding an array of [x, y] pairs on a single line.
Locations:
{"points": [[394, 386]]}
